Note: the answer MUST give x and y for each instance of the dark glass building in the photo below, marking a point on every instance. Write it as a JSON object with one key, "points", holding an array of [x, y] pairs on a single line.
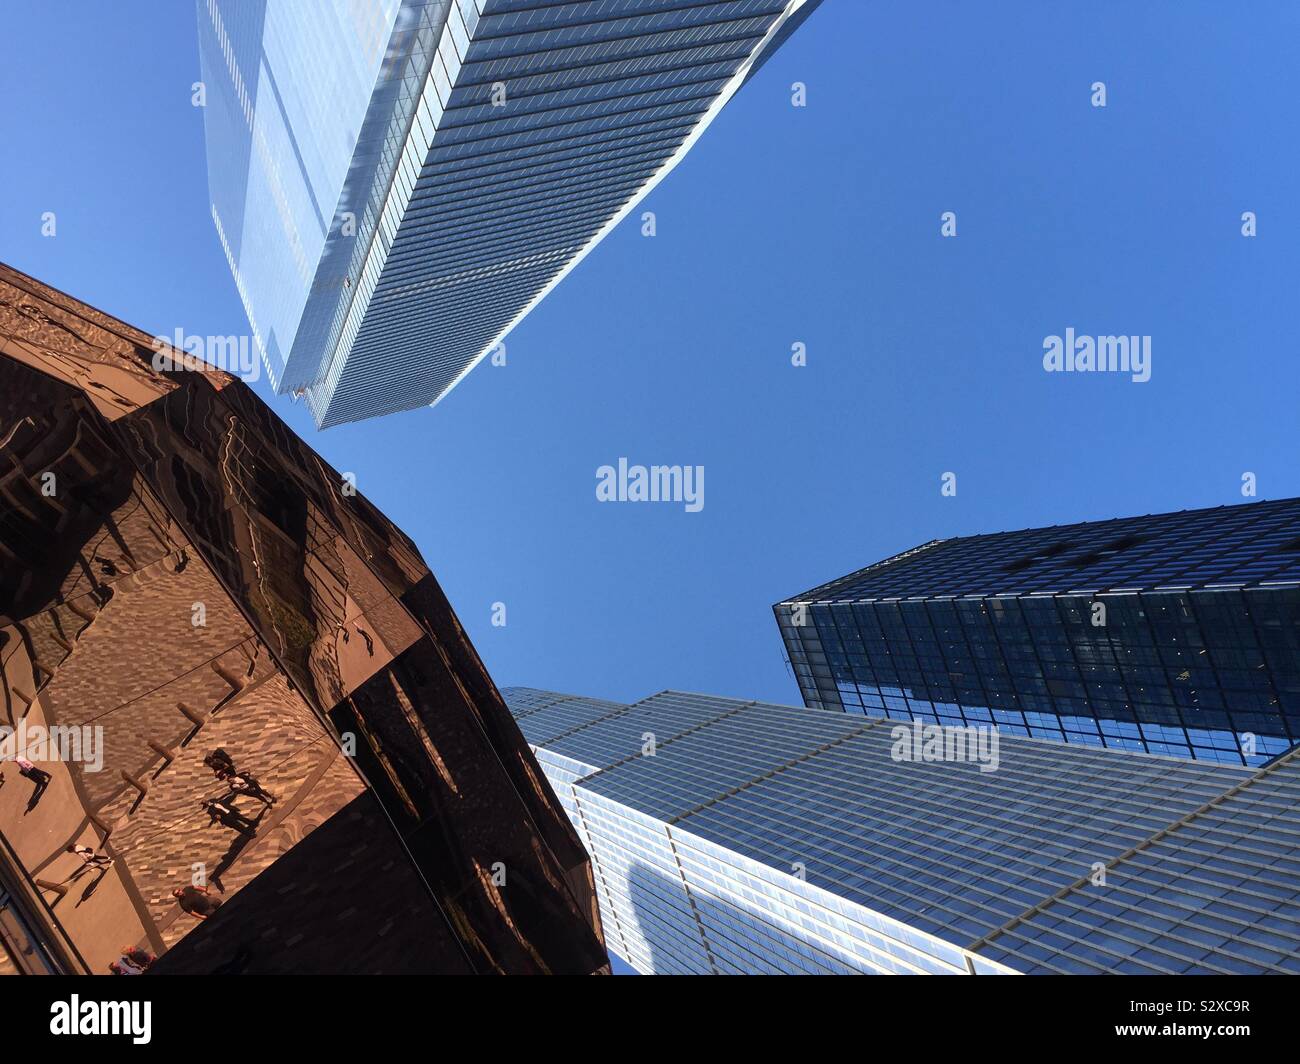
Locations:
{"points": [[1173, 634], [241, 729]]}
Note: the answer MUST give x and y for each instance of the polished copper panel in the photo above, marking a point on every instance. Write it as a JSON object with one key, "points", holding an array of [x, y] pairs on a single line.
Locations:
{"points": [[181, 575]]}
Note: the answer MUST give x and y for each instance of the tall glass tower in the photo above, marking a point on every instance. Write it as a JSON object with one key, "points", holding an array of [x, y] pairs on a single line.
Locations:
{"points": [[396, 184], [1175, 634], [739, 837]]}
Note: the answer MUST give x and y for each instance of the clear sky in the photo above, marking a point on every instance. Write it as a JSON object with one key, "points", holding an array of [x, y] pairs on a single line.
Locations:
{"points": [[818, 225]]}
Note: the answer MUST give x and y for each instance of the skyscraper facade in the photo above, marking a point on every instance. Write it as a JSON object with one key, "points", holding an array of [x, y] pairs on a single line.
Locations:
{"points": [[241, 729], [739, 837], [396, 185], [1175, 634]]}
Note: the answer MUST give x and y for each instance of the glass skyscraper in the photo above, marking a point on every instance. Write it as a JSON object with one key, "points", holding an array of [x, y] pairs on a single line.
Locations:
{"points": [[739, 837], [1174, 634], [396, 184], [287, 106]]}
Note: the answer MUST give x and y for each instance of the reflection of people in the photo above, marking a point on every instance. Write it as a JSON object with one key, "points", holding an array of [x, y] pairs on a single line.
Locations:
{"points": [[91, 857], [228, 815], [370, 643], [220, 761], [246, 783], [37, 775], [133, 961], [196, 901]]}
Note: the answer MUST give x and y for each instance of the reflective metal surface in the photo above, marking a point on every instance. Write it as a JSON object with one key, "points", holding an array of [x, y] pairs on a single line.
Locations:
{"points": [[277, 749]]}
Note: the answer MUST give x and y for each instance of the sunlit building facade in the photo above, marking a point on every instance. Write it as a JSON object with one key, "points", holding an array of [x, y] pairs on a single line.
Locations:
{"points": [[740, 837], [397, 184], [1176, 634], [241, 729]]}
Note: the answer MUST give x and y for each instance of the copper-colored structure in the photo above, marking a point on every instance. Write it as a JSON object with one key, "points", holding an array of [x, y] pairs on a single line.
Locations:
{"points": [[277, 748]]}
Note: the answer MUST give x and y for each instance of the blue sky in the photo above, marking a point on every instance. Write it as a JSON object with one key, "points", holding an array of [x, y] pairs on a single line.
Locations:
{"points": [[819, 225]]}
